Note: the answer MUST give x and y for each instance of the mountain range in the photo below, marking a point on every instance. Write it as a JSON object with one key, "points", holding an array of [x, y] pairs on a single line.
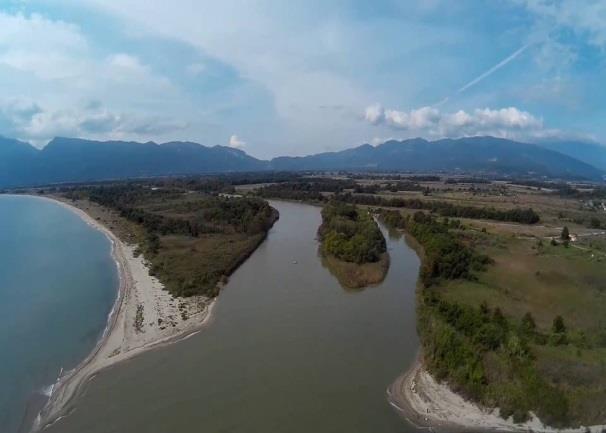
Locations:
{"points": [[78, 160]]}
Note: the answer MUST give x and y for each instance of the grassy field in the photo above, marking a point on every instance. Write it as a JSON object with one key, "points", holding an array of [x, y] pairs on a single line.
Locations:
{"points": [[192, 240], [530, 275]]}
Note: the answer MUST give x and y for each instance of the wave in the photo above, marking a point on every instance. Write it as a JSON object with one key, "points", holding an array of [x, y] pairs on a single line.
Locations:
{"points": [[48, 390]]}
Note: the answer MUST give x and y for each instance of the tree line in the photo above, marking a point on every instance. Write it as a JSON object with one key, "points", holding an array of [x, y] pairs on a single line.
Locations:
{"points": [[446, 257], [446, 209]]}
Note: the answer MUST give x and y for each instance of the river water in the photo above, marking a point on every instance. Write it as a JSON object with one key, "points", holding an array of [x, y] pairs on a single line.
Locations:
{"points": [[58, 283], [288, 350]]}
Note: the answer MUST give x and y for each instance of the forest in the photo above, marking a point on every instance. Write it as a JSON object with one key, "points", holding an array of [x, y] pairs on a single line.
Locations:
{"points": [[324, 189], [446, 256], [482, 354], [350, 234], [192, 240]]}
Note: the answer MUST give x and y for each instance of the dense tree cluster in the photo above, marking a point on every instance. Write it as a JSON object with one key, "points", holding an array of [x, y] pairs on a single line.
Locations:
{"points": [[525, 216], [446, 257], [168, 210], [375, 188], [459, 341], [309, 189], [459, 180], [191, 239], [462, 343], [350, 234]]}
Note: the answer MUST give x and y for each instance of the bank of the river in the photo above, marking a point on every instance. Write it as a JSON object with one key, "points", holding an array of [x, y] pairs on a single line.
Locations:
{"points": [[424, 402], [144, 316], [429, 404], [357, 276], [288, 350]]}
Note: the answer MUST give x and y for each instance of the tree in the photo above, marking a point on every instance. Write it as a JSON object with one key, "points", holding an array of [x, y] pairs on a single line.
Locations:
{"points": [[528, 324], [558, 326], [565, 234]]}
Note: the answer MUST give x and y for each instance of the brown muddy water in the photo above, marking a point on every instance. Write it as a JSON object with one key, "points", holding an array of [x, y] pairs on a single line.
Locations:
{"points": [[287, 350]]}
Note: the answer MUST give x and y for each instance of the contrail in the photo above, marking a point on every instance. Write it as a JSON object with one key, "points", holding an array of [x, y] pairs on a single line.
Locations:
{"points": [[484, 75], [493, 69]]}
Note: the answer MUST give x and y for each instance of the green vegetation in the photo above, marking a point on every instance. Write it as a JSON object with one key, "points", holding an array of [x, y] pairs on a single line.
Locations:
{"points": [[325, 189], [521, 330], [305, 189], [446, 257], [353, 247], [192, 240], [445, 209], [350, 234], [489, 359]]}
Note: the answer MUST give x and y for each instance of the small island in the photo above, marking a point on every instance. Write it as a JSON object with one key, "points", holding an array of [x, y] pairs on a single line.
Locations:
{"points": [[352, 246]]}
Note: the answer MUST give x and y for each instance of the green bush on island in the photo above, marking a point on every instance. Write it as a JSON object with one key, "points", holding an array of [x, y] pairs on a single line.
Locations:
{"points": [[350, 234]]}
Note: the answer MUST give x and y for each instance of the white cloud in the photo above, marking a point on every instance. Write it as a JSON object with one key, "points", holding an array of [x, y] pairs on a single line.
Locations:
{"points": [[28, 119], [126, 62], [375, 114], [430, 121], [236, 142], [48, 49], [584, 18], [52, 59]]}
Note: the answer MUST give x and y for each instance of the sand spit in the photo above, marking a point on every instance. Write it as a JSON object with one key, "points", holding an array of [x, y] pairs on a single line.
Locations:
{"points": [[425, 403], [144, 316]]}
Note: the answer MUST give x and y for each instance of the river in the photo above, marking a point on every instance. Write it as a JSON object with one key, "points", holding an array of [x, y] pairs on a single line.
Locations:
{"points": [[288, 350]]}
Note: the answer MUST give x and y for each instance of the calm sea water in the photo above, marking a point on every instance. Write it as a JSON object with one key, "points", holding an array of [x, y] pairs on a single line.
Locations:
{"points": [[288, 350], [58, 283]]}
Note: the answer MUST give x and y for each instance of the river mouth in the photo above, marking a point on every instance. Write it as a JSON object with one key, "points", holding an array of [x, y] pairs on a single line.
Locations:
{"points": [[288, 350]]}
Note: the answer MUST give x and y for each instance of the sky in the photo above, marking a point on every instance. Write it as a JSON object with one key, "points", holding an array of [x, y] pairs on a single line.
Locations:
{"points": [[299, 77]]}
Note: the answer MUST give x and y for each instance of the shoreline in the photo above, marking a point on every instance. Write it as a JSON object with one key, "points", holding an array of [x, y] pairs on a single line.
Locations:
{"points": [[144, 316], [427, 404]]}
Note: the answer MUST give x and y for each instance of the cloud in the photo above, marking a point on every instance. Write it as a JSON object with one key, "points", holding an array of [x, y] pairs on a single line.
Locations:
{"points": [[24, 118], [586, 18], [429, 121], [374, 114], [195, 69], [53, 60], [236, 142], [34, 44]]}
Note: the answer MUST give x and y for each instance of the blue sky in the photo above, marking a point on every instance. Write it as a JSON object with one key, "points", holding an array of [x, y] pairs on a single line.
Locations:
{"points": [[296, 77]]}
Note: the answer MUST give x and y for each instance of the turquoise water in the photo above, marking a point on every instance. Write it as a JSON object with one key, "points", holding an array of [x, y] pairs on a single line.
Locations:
{"points": [[58, 283]]}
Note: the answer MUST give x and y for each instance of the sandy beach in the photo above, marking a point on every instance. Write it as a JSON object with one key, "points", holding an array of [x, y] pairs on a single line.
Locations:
{"points": [[425, 403], [144, 316]]}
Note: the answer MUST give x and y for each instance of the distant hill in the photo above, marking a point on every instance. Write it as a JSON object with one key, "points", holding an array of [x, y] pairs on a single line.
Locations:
{"points": [[471, 155], [77, 160], [589, 152]]}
